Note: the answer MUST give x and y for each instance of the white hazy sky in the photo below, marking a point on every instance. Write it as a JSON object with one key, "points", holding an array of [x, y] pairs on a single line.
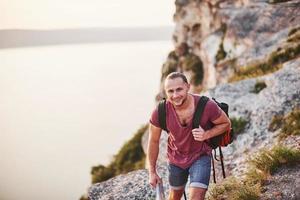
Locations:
{"points": [[57, 14]]}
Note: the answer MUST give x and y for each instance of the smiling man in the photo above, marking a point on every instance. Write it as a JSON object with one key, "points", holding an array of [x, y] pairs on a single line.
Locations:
{"points": [[188, 151]]}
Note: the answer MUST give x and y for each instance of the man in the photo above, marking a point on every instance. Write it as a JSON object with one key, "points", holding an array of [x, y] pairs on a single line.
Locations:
{"points": [[188, 151]]}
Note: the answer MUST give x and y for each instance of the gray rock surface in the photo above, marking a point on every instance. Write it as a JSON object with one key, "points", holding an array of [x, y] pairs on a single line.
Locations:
{"points": [[280, 96], [133, 185], [283, 185], [252, 30]]}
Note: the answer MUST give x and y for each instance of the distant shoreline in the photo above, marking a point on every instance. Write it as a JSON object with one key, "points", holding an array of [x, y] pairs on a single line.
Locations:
{"points": [[13, 38]]}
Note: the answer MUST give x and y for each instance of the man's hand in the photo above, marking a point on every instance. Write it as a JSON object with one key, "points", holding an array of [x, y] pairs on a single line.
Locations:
{"points": [[154, 179], [199, 134]]}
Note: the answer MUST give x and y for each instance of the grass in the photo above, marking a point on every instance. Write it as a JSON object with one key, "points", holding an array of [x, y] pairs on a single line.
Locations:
{"points": [[278, 1], [276, 123], [293, 31], [268, 161], [259, 86], [261, 167], [254, 70], [238, 125], [255, 176], [289, 124], [130, 157], [294, 35], [270, 65], [234, 189]]}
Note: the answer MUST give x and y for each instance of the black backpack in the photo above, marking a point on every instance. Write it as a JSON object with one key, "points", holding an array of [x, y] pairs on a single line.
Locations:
{"points": [[216, 142]]}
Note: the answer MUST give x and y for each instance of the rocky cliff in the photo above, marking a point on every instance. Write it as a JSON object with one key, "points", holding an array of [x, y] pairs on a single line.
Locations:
{"points": [[244, 53]]}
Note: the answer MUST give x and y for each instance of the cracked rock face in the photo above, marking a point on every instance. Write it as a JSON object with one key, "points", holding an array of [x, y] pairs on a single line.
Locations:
{"points": [[281, 95], [248, 30]]}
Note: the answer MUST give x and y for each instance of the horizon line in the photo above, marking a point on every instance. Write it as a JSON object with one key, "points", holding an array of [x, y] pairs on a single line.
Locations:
{"points": [[16, 38]]}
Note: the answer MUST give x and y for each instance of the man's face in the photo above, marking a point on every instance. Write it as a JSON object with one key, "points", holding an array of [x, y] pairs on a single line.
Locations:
{"points": [[176, 91]]}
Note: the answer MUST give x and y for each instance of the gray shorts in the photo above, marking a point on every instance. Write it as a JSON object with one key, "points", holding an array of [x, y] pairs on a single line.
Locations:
{"points": [[199, 173]]}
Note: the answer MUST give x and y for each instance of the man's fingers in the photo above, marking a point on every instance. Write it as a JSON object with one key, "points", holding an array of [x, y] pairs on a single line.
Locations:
{"points": [[201, 128], [199, 136], [155, 180], [153, 184]]}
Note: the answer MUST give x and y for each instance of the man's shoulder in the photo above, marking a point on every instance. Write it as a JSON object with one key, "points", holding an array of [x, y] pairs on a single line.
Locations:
{"points": [[196, 96]]}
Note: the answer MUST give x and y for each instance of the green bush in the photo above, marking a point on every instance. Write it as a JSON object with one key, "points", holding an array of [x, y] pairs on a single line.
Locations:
{"points": [[191, 62], [272, 64], [130, 154], [268, 161], [172, 56], [234, 189], [221, 54], [278, 1], [293, 31], [238, 125], [130, 157], [101, 173], [84, 197], [289, 124], [168, 67], [259, 86], [276, 123], [255, 176], [186, 62], [294, 35]]}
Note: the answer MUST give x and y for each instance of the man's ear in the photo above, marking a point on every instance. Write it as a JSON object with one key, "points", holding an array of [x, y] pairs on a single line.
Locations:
{"points": [[188, 86]]}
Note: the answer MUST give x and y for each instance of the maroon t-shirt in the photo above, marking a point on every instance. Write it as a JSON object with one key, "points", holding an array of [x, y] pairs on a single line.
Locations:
{"points": [[183, 149]]}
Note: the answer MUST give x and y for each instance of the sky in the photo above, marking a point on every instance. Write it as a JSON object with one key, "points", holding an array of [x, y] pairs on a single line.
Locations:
{"points": [[63, 14]]}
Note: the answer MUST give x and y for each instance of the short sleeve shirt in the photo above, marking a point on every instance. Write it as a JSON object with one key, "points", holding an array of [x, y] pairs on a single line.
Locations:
{"points": [[183, 149]]}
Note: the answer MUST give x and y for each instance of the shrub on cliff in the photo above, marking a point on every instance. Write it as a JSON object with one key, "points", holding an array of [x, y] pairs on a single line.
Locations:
{"points": [[130, 157], [262, 165], [191, 62], [259, 86], [271, 64], [289, 124], [238, 125]]}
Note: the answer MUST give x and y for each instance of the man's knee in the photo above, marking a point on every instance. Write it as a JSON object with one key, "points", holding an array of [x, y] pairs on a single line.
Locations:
{"points": [[197, 193], [175, 194]]}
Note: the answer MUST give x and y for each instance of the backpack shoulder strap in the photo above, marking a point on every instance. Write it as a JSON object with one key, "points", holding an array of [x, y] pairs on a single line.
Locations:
{"points": [[199, 111], [162, 114]]}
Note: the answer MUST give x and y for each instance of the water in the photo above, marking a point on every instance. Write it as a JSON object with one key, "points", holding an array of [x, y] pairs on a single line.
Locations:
{"points": [[64, 109]]}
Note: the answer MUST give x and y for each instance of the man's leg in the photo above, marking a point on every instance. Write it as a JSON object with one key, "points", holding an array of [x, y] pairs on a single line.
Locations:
{"points": [[175, 194], [199, 177], [197, 193], [177, 180]]}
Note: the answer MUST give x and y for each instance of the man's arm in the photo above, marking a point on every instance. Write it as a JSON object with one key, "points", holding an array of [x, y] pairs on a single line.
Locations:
{"points": [[221, 124], [152, 151]]}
